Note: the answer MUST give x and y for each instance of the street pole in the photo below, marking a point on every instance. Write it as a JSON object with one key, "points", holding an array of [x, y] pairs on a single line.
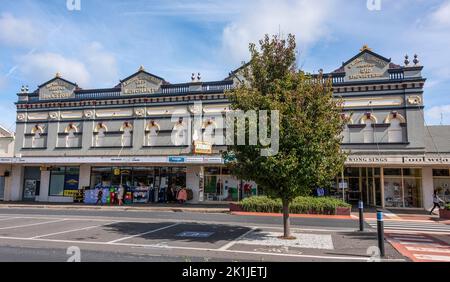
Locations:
{"points": [[380, 229], [361, 215], [342, 178]]}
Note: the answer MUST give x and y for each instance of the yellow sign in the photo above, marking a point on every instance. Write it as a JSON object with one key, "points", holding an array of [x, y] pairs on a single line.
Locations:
{"points": [[117, 171], [202, 148], [70, 193]]}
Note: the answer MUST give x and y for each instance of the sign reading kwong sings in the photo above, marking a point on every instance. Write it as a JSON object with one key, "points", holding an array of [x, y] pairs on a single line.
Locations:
{"points": [[407, 160], [142, 83], [57, 89]]}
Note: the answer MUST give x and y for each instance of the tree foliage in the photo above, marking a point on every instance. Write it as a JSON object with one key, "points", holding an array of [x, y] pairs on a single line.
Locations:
{"points": [[310, 122]]}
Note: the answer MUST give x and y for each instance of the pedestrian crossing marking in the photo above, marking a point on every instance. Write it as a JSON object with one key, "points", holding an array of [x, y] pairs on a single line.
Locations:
{"points": [[430, 250], [416, 226], [433, 258], [421, 248]]}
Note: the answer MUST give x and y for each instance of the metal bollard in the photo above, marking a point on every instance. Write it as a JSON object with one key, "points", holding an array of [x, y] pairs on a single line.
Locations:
{"points": [[380, 229], [361, 215]]}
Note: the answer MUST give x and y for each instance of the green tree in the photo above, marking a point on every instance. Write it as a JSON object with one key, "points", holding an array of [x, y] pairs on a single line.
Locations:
{"points": [[309, 129]]}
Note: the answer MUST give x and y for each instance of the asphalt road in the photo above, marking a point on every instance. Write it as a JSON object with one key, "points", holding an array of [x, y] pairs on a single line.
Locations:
{"points": [[90, 235]]}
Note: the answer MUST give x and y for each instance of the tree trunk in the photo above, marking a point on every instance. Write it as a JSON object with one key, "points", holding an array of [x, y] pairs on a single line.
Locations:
{"points": [[286, 221]]}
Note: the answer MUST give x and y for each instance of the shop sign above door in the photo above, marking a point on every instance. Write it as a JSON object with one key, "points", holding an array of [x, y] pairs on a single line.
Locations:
{"points": [[202, 148]]}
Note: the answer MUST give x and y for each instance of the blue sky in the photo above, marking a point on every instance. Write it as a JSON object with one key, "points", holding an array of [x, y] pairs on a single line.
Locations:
{"points": [[106, 41]]}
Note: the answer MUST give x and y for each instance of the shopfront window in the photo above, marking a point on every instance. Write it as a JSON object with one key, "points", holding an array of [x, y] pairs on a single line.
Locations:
{"points": [[145, 184], [441, 183], [403, 187], [64, 181], [220, 185]]}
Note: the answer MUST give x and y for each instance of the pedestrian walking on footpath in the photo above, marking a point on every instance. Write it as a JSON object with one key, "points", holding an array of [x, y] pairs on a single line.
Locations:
{"points": [[436, 202], [100, 197], [120, 193]]}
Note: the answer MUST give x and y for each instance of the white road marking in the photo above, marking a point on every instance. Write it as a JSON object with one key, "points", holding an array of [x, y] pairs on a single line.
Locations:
{"points": [[431, 250], [72, 230], [197, 249], [32, 224], [432, 257], [8, 218], [409, 236], [408, 231], [181, 221], [413, 239], [142, 234], [391, 215], [421, 244], [230, 244]]}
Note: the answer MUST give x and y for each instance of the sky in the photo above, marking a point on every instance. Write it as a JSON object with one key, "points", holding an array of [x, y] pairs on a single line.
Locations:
{"points": [[105, 41]]}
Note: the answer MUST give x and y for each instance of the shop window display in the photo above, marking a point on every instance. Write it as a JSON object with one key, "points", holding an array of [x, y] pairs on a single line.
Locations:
{"points": [[141, 184], [220, 185], [441, 183], [403, 188], [64, 181]]}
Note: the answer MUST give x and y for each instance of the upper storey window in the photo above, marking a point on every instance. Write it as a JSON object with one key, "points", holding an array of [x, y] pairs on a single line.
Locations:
{"points": [[208, 130], [71, 138], [36, 141], [101, 130], [346, 131], [368, 132], [153, 129], [126, 130], [395, 131], [179, 134]]}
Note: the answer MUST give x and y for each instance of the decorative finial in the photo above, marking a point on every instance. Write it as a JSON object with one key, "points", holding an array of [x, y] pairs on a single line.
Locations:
{"points": [[416, 60], [58, 75], [24, 89], [193, 77], [141, 68], [199, 77], [365, 47], [406, 60]]}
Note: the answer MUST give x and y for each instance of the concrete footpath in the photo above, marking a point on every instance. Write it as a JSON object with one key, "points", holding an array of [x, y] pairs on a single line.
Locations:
{"points": [[200, 208]]}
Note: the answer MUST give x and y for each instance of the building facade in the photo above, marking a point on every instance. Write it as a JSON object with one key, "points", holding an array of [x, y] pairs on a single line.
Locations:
{"points": [[143, 134]]}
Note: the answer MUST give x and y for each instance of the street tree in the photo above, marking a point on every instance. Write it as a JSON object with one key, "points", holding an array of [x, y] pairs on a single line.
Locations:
{"points": [[310, 125]]}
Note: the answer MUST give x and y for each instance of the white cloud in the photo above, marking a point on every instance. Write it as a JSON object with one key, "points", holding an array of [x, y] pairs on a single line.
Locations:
{"points": [[304, 18], [3, 82], [17, 32], [435, 114], [43, 66], [95, 67], [442, 14], [102, 65]]}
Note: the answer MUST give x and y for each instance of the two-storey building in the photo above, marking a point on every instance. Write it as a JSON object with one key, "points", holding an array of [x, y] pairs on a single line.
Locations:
{"points": [[143, 134]]}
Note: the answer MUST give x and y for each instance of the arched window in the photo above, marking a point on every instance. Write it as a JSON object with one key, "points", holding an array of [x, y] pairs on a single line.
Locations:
{"points": [[369, 121], [346, 131], [71, 138], [395, 131], [208, 131], [178, 136], [100, 129], [37, 130], [153, 129], [126, 134]]}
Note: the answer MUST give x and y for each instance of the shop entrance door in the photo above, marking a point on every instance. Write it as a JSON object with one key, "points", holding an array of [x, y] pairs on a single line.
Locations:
{"points": [[31, 183], [2, 188], [370, 186]]}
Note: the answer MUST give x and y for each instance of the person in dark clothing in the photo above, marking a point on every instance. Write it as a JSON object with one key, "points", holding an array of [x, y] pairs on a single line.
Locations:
{"points": [[99, 197], [436, 202]]}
